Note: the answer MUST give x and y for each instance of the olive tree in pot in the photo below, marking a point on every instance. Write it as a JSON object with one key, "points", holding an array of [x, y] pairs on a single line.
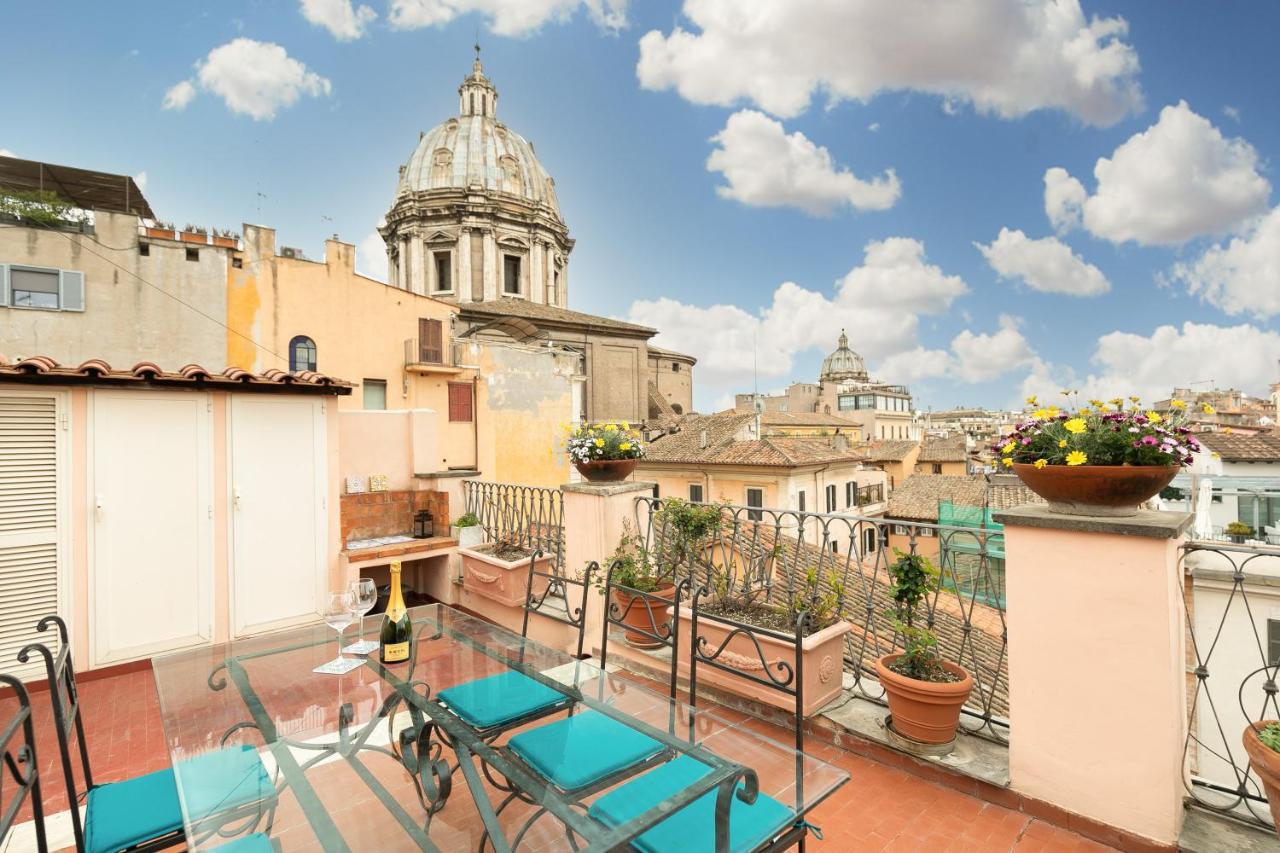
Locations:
{"points": [[1238, 531], [1262, 743], [925, 692], [639, 593]]}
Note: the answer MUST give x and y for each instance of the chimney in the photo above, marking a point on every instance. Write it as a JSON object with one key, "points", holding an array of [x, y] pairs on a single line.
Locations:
{"points": [[702, 439]]}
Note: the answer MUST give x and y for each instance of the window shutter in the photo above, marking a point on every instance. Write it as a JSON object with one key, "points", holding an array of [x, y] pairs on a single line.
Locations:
{"points": [[430, 341], [28, 525], [460, 402], [71, 297], [4, 284]]}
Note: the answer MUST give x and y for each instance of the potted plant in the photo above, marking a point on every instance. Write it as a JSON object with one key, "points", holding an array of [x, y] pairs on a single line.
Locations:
{"points": [[195, 234], [499, 570], [1262, 743], [605, 453], [925, 692], [225, 237], [1101, 459], [1238, 531], [633, 572], [467, 530], [161, 230]]}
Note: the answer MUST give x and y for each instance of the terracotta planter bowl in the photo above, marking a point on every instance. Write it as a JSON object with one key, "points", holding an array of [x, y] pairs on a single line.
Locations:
{"points": [[606, 470], [1266, 766], [924, 711], [645, 614], [1108, 490]]}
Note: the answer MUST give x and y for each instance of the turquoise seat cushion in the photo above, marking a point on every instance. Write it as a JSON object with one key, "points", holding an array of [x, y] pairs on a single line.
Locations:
{"points": [[498, 699], [583, 748], [693, 828], [256, 843], [121, 814]]}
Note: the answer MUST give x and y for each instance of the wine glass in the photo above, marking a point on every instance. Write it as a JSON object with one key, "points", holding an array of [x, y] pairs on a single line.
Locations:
{"points": [[364, 595], [338, 613]]}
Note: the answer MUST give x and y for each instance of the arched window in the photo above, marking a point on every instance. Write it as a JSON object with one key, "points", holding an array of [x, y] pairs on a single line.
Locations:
{"points": [[302, 353]]}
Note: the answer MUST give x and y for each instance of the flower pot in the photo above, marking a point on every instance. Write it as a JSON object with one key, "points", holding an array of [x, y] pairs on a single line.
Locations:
{"points": [[606, 470], [644, 613], [468, 537], [193, 237], [504, 581], [225, 242], [924, 711], [823, 654], [161, 233], [1107, 490], [1238, 537], [1265, 763]]}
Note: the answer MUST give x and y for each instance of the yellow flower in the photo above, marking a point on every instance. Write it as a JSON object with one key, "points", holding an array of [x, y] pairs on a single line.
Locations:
{"points": [[626, 425], [1178, 404], [1054, 411], [1207, 409], [1040, 463], [599, 442], [1085, 410], [1040, 415], [1031, 401], [626, 445], [1077, 457], [1008, 448], [1135, 399], [1226, 430], [1062, 442], [1076, 425], [1116, 401], [1154, 417], [610, 426], [1008, 463], [1096, 403]]}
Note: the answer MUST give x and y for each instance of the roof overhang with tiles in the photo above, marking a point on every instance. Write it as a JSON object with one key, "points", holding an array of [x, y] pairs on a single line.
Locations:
{"points": [[41, 370]]}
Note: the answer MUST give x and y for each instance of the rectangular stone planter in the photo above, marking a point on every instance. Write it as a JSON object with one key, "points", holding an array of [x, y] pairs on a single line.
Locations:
{"points": [[468, 537], [501, 580], [823, 662]]}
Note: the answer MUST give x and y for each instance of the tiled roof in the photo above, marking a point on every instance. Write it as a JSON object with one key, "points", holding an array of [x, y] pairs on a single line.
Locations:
{"points": [[660, 412], [549, 314], [889, 450], [686, 445], [1237, 447], [41, 369], [949, 449], [800, 419], [670, 353], [917, 497]]}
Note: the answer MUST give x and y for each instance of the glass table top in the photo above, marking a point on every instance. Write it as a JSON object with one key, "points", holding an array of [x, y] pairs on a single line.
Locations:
{"points": [[373, 759]]}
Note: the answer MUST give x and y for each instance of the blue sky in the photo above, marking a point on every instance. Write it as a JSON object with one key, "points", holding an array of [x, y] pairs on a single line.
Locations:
{"points": [[799, 229]]}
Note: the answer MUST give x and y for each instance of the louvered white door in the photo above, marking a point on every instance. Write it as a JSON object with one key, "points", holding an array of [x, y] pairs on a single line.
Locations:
{"points": [[31, 522]]}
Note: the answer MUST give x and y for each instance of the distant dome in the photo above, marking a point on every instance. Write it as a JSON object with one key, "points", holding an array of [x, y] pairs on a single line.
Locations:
{"points": [[475, 149], [843, 364]]}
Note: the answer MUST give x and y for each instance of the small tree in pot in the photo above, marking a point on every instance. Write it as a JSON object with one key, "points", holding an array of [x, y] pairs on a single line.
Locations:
{"points": [[632, 571], [925, 692], [1262, 743], [1238, 531]]}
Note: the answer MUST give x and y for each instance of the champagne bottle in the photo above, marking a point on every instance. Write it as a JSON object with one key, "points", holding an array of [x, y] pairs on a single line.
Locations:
{"points": [[397, 630]]}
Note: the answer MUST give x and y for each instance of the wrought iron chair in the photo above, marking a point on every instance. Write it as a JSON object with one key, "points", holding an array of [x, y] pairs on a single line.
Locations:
{"points": [[143, 813], [758, 824], [22, 766]]}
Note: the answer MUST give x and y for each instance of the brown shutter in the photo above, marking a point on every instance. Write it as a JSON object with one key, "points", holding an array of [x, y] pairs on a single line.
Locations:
{"points": [[460, 402], [430, 341]]}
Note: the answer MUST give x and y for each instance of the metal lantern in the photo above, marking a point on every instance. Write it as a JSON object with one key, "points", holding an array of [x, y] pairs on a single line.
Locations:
{"points": [[424, 526]]}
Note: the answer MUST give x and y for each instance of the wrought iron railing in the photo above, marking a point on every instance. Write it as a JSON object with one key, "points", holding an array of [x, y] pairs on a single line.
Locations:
{"points": [[531, 517], [872, 494], [775, 549], [1257, 507], [1232, 598]]}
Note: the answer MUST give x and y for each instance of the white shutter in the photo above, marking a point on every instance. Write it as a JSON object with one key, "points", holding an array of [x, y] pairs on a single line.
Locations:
{"points": [[4, 284], [71, 287], [28, 527]]}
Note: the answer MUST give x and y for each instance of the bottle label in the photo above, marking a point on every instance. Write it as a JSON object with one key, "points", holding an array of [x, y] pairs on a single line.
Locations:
{"points": [[395, 652]]}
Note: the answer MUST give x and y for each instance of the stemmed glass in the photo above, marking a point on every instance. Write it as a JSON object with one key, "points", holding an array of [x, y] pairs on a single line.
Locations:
{"points": [[364, 594], [339, 612]]}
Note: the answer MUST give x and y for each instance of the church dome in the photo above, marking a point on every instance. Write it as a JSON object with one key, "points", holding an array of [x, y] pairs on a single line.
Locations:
{"points": [[843, 364], [476, 150]]}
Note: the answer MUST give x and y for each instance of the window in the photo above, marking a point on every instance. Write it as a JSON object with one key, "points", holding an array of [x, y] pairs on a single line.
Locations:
{"points": [[510, 274], [460, 402], [695, 493], [831, 498], [869, 540], [937, 468], [193, 254], [30, 288], [444, 271], [302, 354], [850, 493], [375, 394], [1273, 641], [675, 368], [237, 263], [553, 288], [144, 249], [430, 341], [755, 500], [800, 500]]}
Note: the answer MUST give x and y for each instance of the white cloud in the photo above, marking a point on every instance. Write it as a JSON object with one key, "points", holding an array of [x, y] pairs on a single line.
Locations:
{"points": [[506, 17], [341, 18], [141, 180], [179, 95], [874, 126], [1240, 356], [371, 257], [767, 167], [1231, 112], [5, 152], [972, 357], [252, 77], [1242, 276], [1006, 57], [879, 303], [1047, 265], [1064, 197], [1178, 179]]}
